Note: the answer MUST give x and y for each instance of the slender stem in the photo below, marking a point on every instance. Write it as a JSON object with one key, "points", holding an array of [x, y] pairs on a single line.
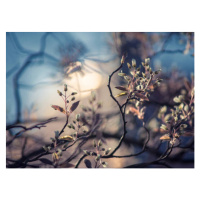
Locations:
{"points": [[64, 125], [157, 161], [136, 154], [122, 112], [79, 161]]}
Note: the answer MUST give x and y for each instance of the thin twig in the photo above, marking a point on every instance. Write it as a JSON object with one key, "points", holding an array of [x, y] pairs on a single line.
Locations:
{"points": [[122, 112]]}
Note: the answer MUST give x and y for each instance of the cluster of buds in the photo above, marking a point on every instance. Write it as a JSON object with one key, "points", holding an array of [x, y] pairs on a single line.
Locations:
{"points": [[138, 109], [175, 123], [94, 104], [98, 154], [139, 83], [90, 112], [54, 150], [78, 126], [67, 110], [67, 100], [56, 156]]}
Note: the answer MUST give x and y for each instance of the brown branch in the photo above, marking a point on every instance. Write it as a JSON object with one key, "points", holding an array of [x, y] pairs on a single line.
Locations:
{"points": [[157, 161], [122, 112], [36, 126], [136, 154], [24, 146], [79, 161], [64, 125]]}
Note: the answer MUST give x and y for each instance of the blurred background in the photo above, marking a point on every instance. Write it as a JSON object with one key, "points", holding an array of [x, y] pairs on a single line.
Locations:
{"points": [[38, 64]]}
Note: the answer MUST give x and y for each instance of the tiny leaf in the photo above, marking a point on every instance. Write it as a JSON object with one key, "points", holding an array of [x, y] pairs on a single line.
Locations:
{"points": [[59, 92], [183, 125], [134, 110], [133, 62], [104, 164], [121, 74], [78, 117], [147, 60], [59, 152], [121, 94], [73, 98], [88, 163], [74, 106], [177, 99], [99, 143], [129, 66], [107, 151], [67, 138], [141, 96], [165, 137], [58, 108], [121, 88], [94, 143], [163, 109], [167, 117], [98, 157], [186, 108], [157, 72], [181, 106], [73, 93], [139, 87], [86, 152], [164, 127], [65, 87], [56, 134]]}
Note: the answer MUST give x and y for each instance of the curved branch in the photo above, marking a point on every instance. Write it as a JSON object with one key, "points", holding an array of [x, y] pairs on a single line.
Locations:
{"points": [[79, 161], [122, 112], [36, 126], [17, 76], [136, 154]]}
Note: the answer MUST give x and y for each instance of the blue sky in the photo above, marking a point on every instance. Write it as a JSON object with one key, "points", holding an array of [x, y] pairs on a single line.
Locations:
{"points": [[46, 70]]}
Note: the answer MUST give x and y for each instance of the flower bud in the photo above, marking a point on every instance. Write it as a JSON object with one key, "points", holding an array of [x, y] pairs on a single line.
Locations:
{"points": [[183, 126], [129, 66], [99, 105], [107, 151], [59, 92], [186, 108], [157, 72], [78, 117], [86, 152], [164, 127], [133, 62], [94, 143], [73, 98], [65, 87], [123, 59], [98, 157], [73, 93], [147, 60], [163, 109], [104, 164], [99, 143], [93, 96]]}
